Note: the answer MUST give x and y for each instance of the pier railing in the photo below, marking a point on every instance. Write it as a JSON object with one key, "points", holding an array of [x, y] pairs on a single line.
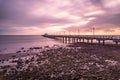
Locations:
{"points": [[78, 38]]}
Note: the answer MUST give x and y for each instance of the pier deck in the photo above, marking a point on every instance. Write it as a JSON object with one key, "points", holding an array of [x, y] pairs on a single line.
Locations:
{"points": [[101, 39]]}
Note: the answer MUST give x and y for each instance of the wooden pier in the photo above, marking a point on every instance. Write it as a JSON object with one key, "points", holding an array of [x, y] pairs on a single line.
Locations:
{"points": [[101, 39]]}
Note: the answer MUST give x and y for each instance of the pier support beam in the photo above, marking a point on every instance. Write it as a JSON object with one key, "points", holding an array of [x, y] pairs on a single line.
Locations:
{"points": [[79, 40], [68, 40], [91, 41], [99, 41], [87, 40], [103, 42], [116, 43], [63, 39], [73, 40], [83, 40]]}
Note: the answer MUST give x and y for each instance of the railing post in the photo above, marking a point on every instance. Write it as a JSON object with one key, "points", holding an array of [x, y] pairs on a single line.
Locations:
{"points": [[99, 42], [83, 40], [87, 40], [91, 41], [68, 40], [116, 43], [103, 42], [63, 39]]}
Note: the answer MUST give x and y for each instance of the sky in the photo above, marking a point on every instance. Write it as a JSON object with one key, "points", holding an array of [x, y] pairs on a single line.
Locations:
{"points": [[36, 17]]}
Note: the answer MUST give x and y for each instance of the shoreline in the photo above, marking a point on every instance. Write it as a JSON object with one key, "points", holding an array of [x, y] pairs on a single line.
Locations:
{"points": [[5, 57], [103, 49], [25, 52], [59, 62]]}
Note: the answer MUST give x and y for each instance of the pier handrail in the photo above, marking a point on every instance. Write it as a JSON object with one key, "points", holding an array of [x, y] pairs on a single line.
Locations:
{"points": [[107, 37]]}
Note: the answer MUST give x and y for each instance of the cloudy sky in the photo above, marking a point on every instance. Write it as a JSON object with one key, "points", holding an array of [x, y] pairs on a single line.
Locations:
{"points": [[35, 17]]}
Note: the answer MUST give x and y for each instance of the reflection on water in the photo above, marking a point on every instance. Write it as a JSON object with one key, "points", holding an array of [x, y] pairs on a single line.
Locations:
{"points": [[10, 44]]}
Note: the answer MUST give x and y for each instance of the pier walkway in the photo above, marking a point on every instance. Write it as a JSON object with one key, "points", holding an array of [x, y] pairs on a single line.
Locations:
{"points": [[101, 39]]}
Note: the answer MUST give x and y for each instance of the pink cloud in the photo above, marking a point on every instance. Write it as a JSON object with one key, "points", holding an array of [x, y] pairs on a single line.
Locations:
{"points": [[66, 14]]}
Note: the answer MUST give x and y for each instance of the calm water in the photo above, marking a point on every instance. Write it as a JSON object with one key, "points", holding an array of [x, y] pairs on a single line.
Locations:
{"points": [[11, 44]]}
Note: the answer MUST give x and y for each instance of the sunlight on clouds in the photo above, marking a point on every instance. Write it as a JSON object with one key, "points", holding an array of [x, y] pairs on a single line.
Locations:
{"points": [[60, 3], [73, 17], [34, 28], [43, 11], [61, 28], [98, 12], [112, 3], [52, 7], [91, 18], [39, 16], [82, 23], [30, 30], [67, 15], [58, 28], [54, 28], [117, 31], [61, 14], [26, 31]]}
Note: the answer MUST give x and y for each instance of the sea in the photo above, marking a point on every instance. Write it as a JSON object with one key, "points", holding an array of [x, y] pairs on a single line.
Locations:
{"points": [[13, 43]]}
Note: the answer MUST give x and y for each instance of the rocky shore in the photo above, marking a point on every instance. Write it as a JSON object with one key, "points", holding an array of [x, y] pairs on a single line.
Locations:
{"points": [[64, 63]]}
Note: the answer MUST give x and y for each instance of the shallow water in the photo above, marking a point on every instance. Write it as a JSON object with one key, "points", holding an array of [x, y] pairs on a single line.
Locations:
{"points": [[13, 43]]}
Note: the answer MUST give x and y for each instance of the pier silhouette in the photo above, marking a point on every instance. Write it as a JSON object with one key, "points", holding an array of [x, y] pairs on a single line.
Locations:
{"points": [[101, 39]]}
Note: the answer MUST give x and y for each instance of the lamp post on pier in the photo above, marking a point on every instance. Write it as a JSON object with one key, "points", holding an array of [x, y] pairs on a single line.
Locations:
{"points": [[78, 32], [93, 31]]}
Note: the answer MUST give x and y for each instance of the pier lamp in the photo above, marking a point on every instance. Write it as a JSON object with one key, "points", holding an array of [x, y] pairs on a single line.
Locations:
{"points": [[93, 31]]}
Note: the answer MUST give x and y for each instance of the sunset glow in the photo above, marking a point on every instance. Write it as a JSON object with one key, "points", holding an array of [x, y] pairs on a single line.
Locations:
{"points": [[36, 17]]}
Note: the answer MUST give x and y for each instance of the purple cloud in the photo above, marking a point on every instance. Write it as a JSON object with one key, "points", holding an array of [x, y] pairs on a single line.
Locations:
{"points": [[65, 15]]}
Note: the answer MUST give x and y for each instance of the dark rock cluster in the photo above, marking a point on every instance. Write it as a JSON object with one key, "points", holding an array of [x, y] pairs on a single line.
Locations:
{"points": [[63, 63]]}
